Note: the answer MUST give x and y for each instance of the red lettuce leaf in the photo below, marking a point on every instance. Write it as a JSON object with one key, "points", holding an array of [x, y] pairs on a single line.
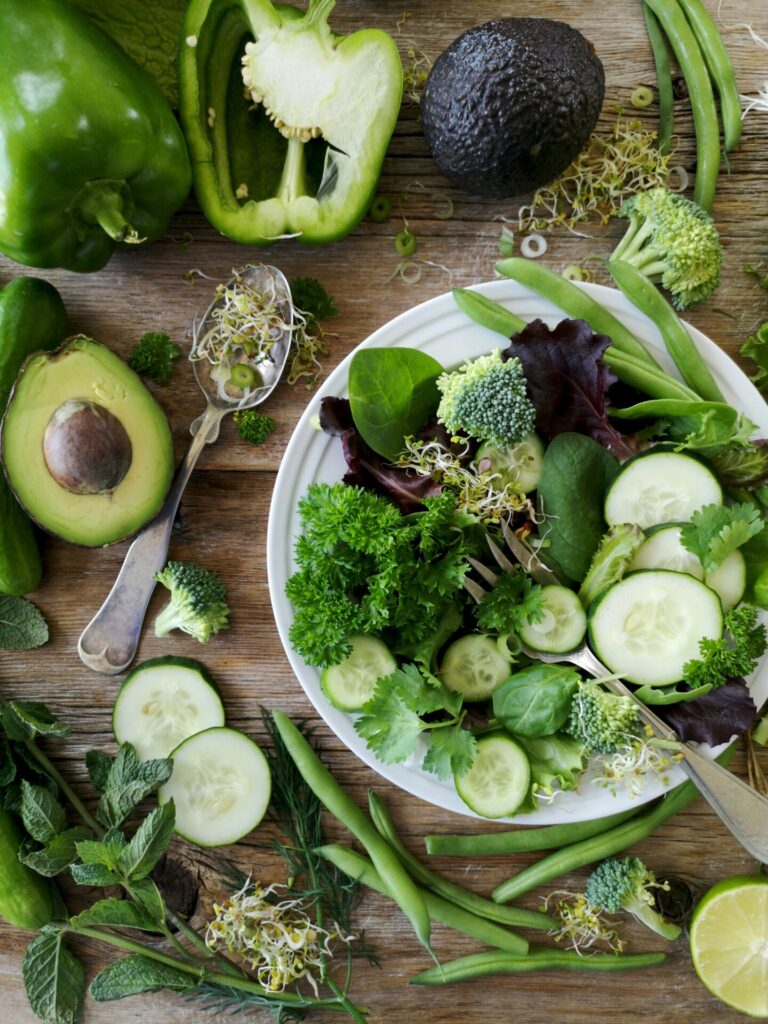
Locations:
{"points": [[365, 468], [714, 717], [568, 382]]}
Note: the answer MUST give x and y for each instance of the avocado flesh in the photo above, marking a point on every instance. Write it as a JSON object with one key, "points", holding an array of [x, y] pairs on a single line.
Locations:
{"points": [[85, 370]]}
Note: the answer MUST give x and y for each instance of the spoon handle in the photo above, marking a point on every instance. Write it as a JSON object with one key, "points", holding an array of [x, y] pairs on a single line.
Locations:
{"points": [[109, 641]]}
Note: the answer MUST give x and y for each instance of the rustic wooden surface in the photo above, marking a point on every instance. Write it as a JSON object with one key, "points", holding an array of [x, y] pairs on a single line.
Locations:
{"points": [[226, 505]]}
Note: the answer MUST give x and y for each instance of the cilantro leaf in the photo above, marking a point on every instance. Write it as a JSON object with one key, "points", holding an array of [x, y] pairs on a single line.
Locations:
{"points": [[391, 720], [717, 530], [451, 751], [756, 348], [735, 654], [22, 625]]}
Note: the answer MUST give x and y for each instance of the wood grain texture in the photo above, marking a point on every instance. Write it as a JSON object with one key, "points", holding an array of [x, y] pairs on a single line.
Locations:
{"points": [[225, 514]]}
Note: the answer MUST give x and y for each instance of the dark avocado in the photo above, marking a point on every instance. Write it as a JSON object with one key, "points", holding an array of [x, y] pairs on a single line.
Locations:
{"points": [[510, 104]]}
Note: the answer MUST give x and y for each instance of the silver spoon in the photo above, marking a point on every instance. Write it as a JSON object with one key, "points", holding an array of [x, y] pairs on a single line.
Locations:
{"points": [[109, 641]]}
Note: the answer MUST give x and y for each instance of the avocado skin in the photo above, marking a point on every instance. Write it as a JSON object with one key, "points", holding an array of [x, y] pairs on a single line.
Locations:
{"points": [[510, 104]]}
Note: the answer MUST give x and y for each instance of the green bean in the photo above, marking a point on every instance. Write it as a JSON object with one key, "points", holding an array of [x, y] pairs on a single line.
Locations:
{"points": [[656, 408], [576, 303], [663, 79], [522, 840], [691, 61], [577, 855], [487, 313], [361, 870], [649, 377], [470, 901], [720, 68], [397, 881], [655, 383], [479, 965], [644, 294]]}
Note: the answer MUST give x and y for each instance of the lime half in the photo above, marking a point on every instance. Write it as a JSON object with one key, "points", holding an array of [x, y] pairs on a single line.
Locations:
{"points": [[729, 942]]}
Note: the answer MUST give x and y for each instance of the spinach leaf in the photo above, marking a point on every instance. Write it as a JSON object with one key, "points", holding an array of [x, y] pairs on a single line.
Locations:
{"points": [[575, 475], [536, 701], [392, 393], [557, 762], [22, 625]]}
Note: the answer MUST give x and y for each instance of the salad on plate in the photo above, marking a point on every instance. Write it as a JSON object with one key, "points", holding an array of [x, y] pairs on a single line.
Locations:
{"points": [[629, 509]]}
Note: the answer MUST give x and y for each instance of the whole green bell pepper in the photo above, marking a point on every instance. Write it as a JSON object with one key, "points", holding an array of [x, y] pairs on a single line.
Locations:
{"points": [[91, 154], [299, 151]]}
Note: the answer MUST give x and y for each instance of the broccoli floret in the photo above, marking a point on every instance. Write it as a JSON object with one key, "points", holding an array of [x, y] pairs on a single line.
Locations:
{"points": [[674, 241], [603, 721], [254, 426], [625, 883], [154, 356], [198, 604], [486, 398]]}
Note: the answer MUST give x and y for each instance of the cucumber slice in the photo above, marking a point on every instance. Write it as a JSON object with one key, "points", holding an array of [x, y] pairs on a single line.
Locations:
{"points": [[646, 626], [221, 787], [663, 550], [498, 781], [162, 702], [474, 666], [660, 487], [518, 467], [350, 684], [562, 626]]}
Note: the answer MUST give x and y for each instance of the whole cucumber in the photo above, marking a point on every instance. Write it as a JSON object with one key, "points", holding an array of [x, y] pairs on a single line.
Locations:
{"points": [[26, 898], [32, 318]]}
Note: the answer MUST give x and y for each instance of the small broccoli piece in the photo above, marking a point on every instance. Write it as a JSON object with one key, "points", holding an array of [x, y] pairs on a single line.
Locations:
{"points": [[198, 604], [486, 398], [674, 241], [154, 356], [603, 721], [625, 883], [254, 426]]}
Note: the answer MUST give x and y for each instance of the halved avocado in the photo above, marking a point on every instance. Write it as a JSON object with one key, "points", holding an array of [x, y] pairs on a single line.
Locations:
{"points": [[87, 450]]}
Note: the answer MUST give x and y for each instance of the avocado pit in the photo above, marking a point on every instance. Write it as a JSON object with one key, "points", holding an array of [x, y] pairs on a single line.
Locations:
{"points": [[86, 448]]}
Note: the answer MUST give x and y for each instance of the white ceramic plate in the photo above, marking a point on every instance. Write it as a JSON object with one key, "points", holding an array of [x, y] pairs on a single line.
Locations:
{"points": [[439, 328]]}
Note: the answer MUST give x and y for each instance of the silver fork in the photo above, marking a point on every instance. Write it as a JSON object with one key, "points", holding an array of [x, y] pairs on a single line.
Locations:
{"points": [[742, 809]]}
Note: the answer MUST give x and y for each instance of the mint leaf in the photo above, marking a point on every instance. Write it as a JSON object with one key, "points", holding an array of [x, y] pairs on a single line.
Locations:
{"points": [[57, 854], [41, 812], [115, 913], [135, 974], [105, 852], [93, 874], [98, 764], [24, 719], [451, 751], [7, 763], [147, 895], [148, 844], [129, 781], [717, 530], [22, 625], [53, 978]]}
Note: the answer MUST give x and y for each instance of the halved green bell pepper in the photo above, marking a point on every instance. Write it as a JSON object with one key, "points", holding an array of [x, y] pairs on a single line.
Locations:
{"points": [[90, 152], [287, 124]]}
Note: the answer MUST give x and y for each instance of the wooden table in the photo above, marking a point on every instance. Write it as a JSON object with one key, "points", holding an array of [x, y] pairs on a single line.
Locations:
{"points": [[225, 515]]}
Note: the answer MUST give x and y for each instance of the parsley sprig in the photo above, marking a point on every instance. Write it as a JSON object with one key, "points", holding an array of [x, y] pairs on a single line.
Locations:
{"points": [[735, 654]]}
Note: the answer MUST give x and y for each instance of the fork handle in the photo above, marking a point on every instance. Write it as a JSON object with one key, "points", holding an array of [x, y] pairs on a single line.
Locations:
{"points": [[109, 641], [742, 809]]}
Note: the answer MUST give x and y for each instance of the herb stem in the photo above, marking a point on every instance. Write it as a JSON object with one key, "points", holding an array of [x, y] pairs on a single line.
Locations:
{"points": [[64, 786], [181, 925], [203, 974]]}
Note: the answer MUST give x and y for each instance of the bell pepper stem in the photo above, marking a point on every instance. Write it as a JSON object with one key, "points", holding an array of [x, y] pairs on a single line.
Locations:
{"points": [[293, 182], [102, 203], [318, 11]]}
